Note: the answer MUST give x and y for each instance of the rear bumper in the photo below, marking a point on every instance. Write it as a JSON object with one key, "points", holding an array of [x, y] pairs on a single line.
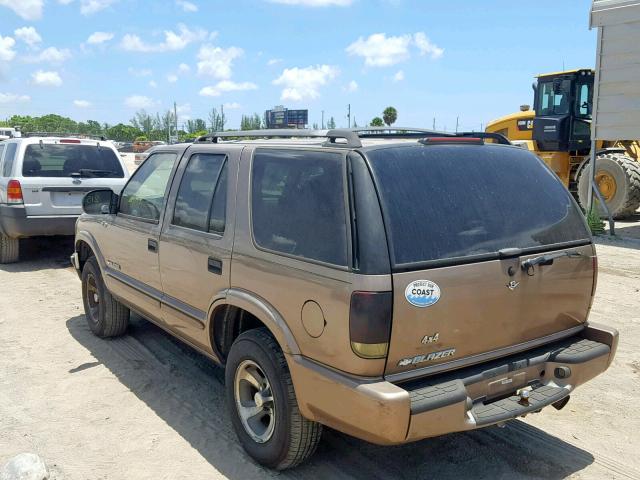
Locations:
{"points": [[385, 413], [15, 223]]}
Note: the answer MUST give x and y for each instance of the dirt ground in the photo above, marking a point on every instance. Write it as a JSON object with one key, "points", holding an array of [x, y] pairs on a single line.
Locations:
{"points": [[146, 407]]}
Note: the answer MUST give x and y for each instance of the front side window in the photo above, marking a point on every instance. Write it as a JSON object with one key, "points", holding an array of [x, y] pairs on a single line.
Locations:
{"points": [[144, 195], [9, 156], [297, 204], [194, 204], [64, 160], [583, 100]]}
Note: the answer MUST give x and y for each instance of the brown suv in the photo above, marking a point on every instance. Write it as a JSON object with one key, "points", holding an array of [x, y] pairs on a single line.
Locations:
{"points": [[391, 285]]}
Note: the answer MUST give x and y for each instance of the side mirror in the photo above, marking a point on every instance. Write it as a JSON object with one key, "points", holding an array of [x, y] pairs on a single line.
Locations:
{"points": [[99, 202]]}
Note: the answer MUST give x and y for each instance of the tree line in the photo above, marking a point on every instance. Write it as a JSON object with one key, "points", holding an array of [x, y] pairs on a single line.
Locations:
{"points": [[156, 127]]}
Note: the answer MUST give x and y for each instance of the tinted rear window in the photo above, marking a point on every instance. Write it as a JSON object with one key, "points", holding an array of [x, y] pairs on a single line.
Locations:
{"points": [[54, 160], [452, 202]]}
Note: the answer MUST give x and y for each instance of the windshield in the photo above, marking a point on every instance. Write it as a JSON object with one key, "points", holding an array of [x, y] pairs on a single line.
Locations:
{"points": [[55, 160], [554, 97], [451, 202]]}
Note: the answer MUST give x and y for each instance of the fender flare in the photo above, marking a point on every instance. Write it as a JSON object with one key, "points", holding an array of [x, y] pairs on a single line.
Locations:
{"points": [[90, 240], [264, 312]]}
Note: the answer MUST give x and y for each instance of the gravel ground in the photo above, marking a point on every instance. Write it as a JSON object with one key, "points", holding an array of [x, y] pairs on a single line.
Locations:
{"points": [[146, 407]]}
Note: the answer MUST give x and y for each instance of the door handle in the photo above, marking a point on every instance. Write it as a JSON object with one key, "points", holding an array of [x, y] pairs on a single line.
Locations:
{"points": [[214, 265], [152, 246]]}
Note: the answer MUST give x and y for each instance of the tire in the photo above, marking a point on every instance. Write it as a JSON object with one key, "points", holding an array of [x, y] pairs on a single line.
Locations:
{"points": [[105, 315], [293, 438], [626, 173], [9, 249]]}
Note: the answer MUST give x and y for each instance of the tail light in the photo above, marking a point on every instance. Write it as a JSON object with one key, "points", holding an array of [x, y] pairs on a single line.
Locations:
{"points": [[370, 323], [14, 192]]}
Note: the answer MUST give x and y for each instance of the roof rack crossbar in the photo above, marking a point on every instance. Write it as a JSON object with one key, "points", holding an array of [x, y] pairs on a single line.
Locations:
{"points": [[352, 140], [84, 136]]}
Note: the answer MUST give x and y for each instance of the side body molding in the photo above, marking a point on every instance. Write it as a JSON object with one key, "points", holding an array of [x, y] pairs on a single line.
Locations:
{"points": [[267, 314]]}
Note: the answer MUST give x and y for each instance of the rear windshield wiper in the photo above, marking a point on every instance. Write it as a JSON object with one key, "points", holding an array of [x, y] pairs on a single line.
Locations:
{"points": [[528, 265], [90, 172]]}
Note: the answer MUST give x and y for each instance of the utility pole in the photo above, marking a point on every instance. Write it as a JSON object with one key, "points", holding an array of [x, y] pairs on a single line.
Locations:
{"points": [[434, 123], [322, 119], [222, 115], [457, 123], [175, 115], [349, 115]]}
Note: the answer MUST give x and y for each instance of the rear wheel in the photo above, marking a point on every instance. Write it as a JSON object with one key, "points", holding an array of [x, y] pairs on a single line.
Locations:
{"points": [[263, 405], [105, 315], [9, 249], [618, 179]]}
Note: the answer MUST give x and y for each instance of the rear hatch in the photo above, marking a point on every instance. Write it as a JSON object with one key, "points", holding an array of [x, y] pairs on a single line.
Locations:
{"points": [[56, 174], [462, 222]]}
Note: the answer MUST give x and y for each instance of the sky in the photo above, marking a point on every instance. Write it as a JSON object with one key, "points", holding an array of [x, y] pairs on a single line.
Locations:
{"points": [[464, 61]]}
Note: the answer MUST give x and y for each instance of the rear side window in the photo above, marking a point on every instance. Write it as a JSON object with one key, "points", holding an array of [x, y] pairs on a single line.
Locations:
{"points": [[56, 160], [452, 202], [9, 157], [298, 204], [195, 206]]}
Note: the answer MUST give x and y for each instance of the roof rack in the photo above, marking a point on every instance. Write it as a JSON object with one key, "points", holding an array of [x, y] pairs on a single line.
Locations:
{"points": [[352, 136], [84, 136]]}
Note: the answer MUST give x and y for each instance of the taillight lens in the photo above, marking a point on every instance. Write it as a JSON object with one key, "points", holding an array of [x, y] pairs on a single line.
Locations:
{"points": [[370, 323], [14, 192]]}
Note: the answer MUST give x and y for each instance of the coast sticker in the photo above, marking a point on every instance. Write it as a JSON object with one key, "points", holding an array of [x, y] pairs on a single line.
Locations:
{"points": [[422, 293]]}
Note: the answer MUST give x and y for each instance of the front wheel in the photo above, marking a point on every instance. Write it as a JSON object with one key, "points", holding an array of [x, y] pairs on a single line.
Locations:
{"points": [[263, 405], [618, 179], [9, 249], [105, 315]]}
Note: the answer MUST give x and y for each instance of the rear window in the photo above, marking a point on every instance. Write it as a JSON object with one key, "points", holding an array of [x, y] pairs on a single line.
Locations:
{"points": [[453, 203], [55, 160]]}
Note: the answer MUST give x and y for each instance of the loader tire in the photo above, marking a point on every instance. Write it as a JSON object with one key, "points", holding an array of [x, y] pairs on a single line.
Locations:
{"points": [[619, 179]]}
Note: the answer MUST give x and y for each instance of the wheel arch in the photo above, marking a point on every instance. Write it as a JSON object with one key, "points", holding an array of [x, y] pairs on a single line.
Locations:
{"points": [[240, 311], [85, 245]]}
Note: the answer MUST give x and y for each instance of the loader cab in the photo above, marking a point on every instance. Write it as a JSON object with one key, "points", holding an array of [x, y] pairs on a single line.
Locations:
{"points": [[563, 104]]}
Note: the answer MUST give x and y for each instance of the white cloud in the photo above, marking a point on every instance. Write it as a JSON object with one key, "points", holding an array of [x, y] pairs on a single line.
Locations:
{"points": [[304, 83], [13, 98], [6, 49], [51, 55], [46, 79], [27, 9], [217, 62], [99, 37], [183, 68], [139, 101], [274, 61], [352, 86], [153, 84], [187, 6], [378, 50], [183, 109], [140, 72], [232, 106], [399, 76], [315, 3], [172, 78], [28, 35], [82, 103], [172, 41], [89, 7], [426, 47], [65, 2], [226, 86]]}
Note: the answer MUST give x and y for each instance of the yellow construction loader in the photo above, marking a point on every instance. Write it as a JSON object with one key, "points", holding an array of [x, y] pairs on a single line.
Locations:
{"points": [[558, 130]]}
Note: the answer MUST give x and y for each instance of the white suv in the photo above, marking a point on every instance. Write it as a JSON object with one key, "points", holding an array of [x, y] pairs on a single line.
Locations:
{"points": [[43, 181]]}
